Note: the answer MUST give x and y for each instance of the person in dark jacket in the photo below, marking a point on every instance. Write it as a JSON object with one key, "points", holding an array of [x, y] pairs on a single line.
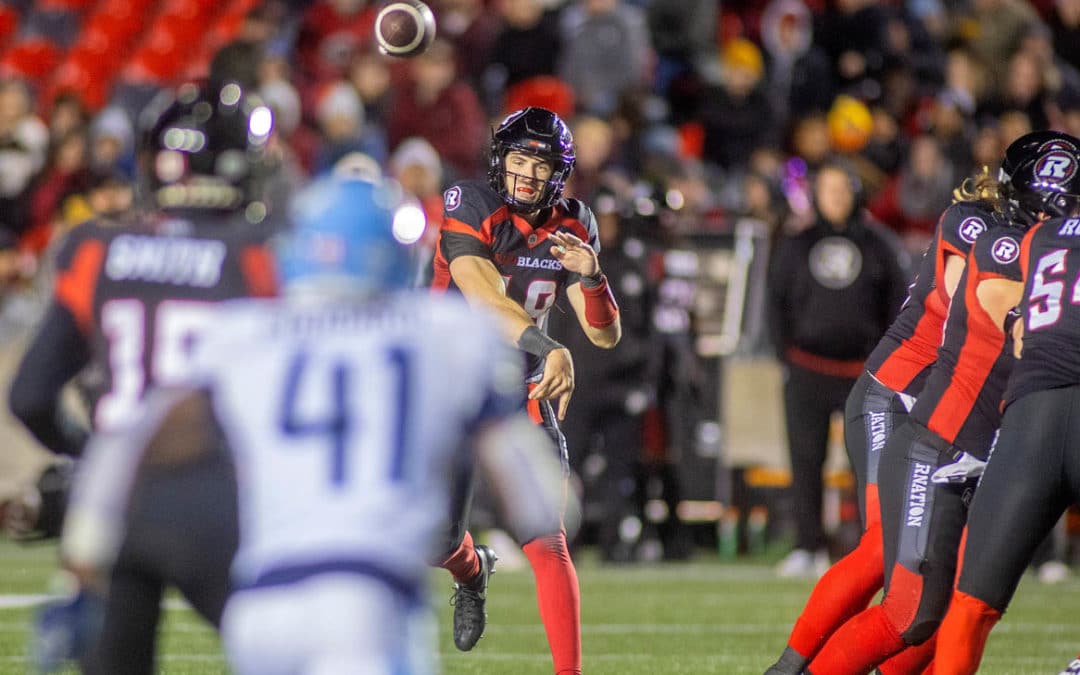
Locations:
{"points": [[833, 290]]}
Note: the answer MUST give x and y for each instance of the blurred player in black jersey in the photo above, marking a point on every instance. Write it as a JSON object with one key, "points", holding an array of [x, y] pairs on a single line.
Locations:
{"points": [[128, 303], [513, 243], [1034, 472], [928, 470]]}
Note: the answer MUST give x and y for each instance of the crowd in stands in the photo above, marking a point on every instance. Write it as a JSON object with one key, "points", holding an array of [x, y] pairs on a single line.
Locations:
{"points": [[734, 103]]}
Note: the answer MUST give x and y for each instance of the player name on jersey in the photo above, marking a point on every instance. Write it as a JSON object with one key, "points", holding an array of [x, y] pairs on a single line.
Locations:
{"points": [[322, 320], [181, 261]]}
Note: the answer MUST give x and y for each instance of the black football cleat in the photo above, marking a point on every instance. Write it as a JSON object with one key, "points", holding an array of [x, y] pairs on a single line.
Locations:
{"points": [[470, 602]]}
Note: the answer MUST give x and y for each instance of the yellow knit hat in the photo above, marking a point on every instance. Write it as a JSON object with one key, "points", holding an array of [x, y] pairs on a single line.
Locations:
{"points": [[742, 53]]}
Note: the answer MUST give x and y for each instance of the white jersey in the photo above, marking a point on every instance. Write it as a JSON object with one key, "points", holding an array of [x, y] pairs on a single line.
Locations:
{"points": [[348, 425]]}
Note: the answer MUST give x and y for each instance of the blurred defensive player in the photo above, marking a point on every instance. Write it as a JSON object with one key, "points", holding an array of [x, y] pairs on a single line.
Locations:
{"points": [[129, 303], [513, 243], [332, 406]]}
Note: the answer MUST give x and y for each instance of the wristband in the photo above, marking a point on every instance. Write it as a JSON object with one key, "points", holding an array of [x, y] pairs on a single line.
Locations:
{"points": [[534, 342], [593, 280], [600, 308]]}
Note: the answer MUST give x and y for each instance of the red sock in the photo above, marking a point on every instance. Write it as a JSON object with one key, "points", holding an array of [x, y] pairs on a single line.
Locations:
{"points": [[559, 600], [844, 591], [463, 563], [963, 634], [912, 661], [864, 641]]}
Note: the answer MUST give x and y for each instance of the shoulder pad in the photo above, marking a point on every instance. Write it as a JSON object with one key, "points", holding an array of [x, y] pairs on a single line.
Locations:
{"points": [[471, 202]]}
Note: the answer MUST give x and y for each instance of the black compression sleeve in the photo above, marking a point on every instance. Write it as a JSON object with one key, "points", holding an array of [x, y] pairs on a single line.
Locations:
{"points": [[58, 352]]}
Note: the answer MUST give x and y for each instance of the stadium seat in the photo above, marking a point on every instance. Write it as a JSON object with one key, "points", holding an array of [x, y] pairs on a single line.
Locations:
{"points": [[9, 21], [32, 58], [97, 52], [158, 58], [75, 76]]}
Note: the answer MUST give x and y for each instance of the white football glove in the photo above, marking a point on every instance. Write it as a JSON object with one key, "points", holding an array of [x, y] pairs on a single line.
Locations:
{"points": [[960, 471]]}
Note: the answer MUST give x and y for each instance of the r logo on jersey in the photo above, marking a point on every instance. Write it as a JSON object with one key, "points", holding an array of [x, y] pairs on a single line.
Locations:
{"points": [[1005, 250], [452, 198], [1057, 166], [971, 228]]}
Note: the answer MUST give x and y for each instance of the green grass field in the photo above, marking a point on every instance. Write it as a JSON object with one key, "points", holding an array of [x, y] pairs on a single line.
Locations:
{"points": [[696, 618]]}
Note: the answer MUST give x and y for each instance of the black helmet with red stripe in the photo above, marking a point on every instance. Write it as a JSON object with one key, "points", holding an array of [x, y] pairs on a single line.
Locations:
{"points": [[1041, 175], [534, 131]]}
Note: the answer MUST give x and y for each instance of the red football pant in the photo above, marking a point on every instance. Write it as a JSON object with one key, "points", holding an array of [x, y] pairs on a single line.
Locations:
{"points": [[844, 591], [559, 600], [963, 633]]}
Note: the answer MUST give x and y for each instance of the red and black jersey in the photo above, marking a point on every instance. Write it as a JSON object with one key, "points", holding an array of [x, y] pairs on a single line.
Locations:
{"points": [[902, 359], [1050, 310], [140, 295], [961, 401], [476, 221]]}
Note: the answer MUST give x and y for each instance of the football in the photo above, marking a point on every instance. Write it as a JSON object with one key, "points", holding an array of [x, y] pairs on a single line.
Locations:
{"points": [[404, 28]]}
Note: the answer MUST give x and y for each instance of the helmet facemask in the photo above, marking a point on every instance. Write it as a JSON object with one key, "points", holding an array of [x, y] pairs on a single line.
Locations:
{"points": [[505, 180], [539, 133]]}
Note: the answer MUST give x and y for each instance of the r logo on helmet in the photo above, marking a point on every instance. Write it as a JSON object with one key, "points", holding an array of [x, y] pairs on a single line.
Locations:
{"points": [[1058, 166]]}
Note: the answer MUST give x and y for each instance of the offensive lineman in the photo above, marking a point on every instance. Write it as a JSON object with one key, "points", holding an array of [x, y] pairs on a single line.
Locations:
{"points": [[128, 304], [878, 404], [513, 243], [928, 465], [1034, 473], [346, 448]]}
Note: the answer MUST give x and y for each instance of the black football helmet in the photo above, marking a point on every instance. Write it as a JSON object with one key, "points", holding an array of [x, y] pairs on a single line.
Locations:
{"points": [[536, 131], [1040, 174], [205, 148]]}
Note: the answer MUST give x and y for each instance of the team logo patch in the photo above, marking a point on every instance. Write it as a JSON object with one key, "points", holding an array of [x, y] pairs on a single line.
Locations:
{"points": [[1057, 166], [835, 262], [1005, 250], [452, 198], [971, 228], [532, 240]]}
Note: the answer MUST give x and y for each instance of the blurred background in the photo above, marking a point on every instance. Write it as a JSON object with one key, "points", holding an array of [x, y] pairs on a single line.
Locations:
{"points": [[699, 126]]}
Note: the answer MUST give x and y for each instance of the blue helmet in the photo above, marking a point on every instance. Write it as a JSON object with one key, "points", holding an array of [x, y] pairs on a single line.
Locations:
{"points": [[343, 238]]}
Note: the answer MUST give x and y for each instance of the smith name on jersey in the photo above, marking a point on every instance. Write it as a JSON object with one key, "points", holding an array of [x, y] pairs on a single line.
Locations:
{"points": [[140, 296], [476, 221]]}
